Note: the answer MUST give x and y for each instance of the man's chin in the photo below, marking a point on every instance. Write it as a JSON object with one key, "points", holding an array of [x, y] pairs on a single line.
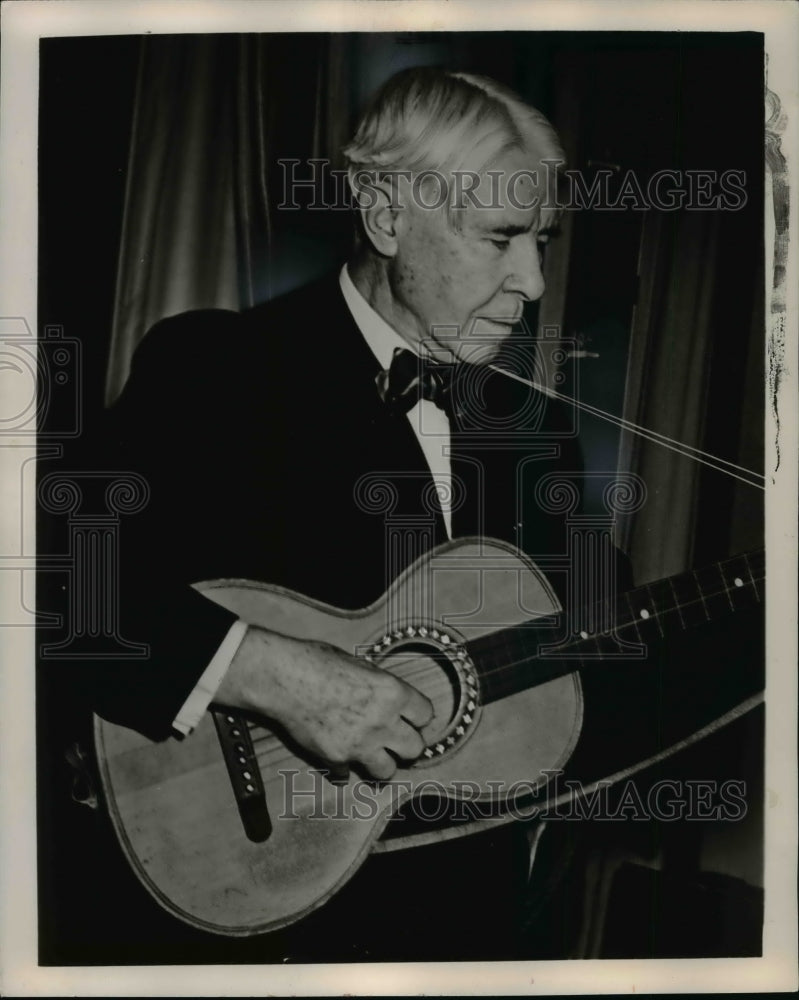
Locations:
{"points": [[481, 346], [472, 352], [480, 351]]}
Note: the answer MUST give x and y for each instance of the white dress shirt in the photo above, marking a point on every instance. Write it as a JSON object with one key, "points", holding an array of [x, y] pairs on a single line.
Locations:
{"points": [[431, 427], [430, 424]]}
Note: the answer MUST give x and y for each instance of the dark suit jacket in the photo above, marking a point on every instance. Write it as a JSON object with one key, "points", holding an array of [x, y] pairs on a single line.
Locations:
{"points": [[254, 431]]}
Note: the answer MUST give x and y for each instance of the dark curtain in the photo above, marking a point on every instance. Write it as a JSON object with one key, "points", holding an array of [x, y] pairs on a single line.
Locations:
{"points": [[213, 115], [668, 377], [668, 303], [205, 225], [205, 222]]}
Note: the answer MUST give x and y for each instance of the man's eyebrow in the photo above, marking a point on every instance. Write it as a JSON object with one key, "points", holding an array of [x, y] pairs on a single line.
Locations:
{"points": [[514, 229], [551, 229], [509, 229]]}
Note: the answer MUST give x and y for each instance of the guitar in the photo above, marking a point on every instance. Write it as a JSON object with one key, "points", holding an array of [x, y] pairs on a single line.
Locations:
{"points": [[233, 831]]}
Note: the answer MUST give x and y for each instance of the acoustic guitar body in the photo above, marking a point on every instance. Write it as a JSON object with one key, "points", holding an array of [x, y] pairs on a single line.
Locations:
{"points": [[176, 808]]}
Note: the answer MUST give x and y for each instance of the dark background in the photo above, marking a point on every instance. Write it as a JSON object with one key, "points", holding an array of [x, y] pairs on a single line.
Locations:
{"points": [[639, 101]]}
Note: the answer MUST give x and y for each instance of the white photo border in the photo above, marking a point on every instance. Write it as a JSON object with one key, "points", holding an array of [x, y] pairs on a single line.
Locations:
{"points": [[24, 23]]}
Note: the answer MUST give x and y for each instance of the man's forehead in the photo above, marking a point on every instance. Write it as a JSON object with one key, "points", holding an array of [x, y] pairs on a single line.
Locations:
{"points": [[505, 199], [514, 182], [505, 219]]}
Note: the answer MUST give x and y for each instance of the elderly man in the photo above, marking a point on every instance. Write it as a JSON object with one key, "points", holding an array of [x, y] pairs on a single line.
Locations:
{"points": [[256, 433], [418, 273]]}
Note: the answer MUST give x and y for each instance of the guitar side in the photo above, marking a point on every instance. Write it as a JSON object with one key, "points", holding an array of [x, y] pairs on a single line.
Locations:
{"points": [[173, 806]]}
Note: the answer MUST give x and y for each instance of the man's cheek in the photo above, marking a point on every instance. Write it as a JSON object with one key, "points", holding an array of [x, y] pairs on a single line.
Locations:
{"points": [[479, 351]]}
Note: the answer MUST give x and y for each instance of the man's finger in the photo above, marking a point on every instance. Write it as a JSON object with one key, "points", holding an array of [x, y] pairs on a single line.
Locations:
{"points": [[379, 764], [405, 741], [418, 710]]}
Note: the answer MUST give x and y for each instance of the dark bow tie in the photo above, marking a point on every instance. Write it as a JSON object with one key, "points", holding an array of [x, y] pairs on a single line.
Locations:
{"points": [[410, 378]]}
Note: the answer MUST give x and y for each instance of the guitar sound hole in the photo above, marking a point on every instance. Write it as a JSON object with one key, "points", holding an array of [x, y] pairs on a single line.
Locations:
{"points": [[429, 670]]}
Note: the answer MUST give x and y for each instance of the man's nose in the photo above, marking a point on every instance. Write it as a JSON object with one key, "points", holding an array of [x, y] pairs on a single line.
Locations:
{"points": [[526, 277]]}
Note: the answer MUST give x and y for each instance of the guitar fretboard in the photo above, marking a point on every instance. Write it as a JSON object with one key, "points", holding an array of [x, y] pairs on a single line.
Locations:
{"points": [[621, 627]]}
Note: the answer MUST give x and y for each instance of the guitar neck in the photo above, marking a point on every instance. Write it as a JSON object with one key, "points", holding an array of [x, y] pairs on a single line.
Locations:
{"points": [[620, 627]]}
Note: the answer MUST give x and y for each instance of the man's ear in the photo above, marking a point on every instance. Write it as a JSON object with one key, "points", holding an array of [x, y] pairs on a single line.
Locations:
{"points": [[381, 213]]}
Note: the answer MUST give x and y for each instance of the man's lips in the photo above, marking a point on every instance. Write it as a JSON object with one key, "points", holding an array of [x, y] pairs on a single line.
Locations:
{"points": [[503, 320]]}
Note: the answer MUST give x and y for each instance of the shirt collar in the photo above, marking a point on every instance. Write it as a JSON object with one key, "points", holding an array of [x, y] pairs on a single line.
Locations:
{"points": [[382, 339]]}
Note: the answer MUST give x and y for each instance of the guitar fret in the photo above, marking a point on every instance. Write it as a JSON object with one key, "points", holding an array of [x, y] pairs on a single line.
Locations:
{"points": [[740, 592], [752, 578], [667, 597], [689, 600], [701, 595], [647, 626], [724, 584], [633, 618], [592, 642], [527, 654], [715, 598], [677, 607], [656, 613]]}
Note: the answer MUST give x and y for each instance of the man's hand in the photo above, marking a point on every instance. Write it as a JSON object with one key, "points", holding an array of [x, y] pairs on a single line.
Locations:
{"points": [[335, 706]]}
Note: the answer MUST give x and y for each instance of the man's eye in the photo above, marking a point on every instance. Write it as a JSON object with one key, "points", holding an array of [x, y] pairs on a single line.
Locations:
{"points": [[501, 244]]}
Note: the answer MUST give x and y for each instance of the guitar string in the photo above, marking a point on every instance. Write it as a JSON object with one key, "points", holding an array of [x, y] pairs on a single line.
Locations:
{"points": [[597, 607], [264, 757], [688, 451], [758, 568], [440, 688], [416, 667]]}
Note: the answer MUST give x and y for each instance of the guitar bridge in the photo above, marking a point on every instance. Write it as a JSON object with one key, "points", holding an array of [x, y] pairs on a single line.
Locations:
{"points": [[245, 774]]}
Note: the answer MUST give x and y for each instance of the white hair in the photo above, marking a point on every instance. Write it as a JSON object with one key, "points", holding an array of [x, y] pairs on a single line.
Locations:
{"points": [[432, 119]]}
